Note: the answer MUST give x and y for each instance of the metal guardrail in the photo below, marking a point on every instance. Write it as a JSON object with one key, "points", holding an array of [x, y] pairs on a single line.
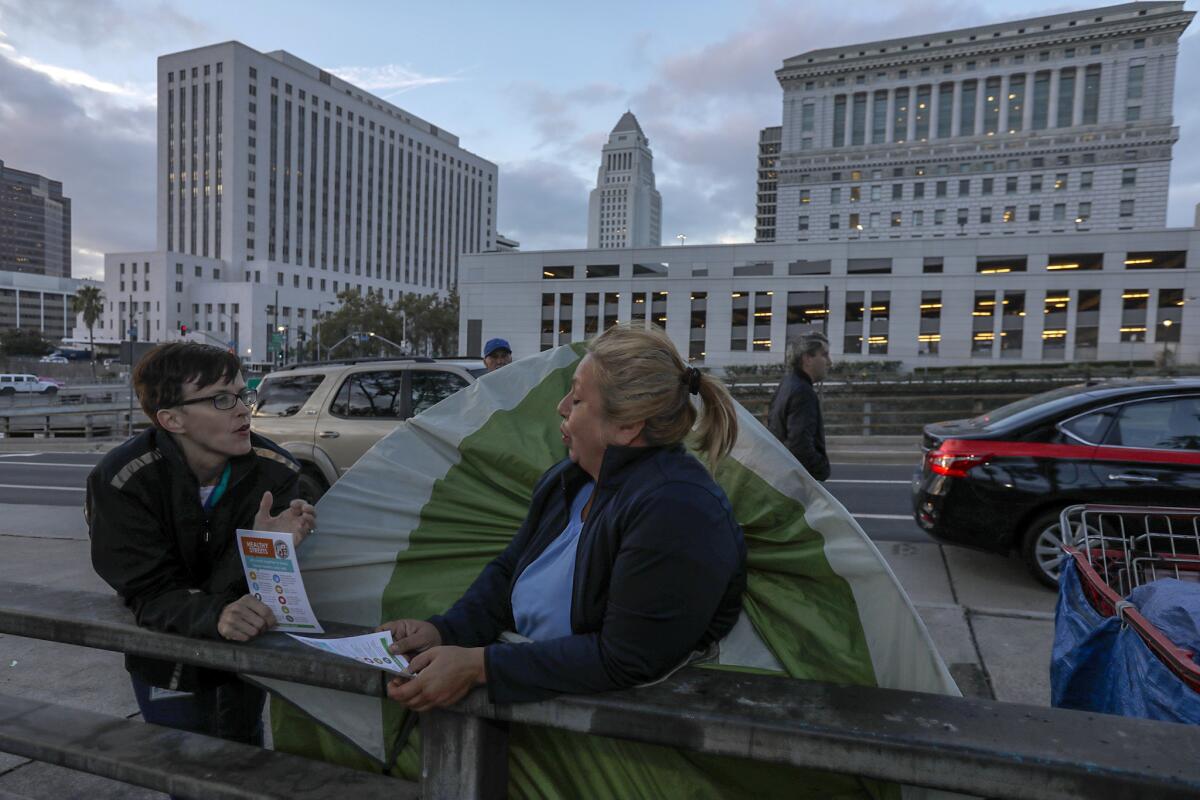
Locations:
{"points": [[960, 744], [90, 420]]}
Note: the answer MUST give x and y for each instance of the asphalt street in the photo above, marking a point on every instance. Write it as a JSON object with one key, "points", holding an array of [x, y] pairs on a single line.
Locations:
{"points": [[878, 496]]}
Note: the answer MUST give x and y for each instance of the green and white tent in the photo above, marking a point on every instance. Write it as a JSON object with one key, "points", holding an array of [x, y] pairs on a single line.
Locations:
{"points": [[408, 528]]}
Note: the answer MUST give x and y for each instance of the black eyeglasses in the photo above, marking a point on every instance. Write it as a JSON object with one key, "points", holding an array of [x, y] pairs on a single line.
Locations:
{"points": [[226, 400]]}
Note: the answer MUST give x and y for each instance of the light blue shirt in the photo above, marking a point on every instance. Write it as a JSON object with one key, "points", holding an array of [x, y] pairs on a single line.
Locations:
{"points": [[541, 600]]}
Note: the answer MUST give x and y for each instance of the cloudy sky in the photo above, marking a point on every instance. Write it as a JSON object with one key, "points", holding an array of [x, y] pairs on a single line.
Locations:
{"points": [[534, 86]]}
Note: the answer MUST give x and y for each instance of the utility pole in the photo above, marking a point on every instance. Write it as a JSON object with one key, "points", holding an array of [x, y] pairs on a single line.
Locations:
{"points": [[275, 325]]}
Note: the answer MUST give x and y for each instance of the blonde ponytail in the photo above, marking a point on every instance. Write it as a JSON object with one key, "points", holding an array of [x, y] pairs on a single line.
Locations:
{"points": [[641, 377]]}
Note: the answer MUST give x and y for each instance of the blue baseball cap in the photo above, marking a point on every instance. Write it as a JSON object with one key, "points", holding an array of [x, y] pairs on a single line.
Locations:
{"points": [[495, 344]]}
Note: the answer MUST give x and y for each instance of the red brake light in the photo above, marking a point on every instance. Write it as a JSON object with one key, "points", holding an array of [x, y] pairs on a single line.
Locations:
{"points": [[952, 459]]}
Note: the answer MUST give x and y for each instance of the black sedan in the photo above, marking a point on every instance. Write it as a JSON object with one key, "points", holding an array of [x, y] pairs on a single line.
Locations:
{"points": [[998, 481]]}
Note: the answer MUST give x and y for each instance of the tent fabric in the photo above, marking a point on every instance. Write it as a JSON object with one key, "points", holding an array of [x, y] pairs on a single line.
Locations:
{"points": [[1098, 664], [406, 530]]}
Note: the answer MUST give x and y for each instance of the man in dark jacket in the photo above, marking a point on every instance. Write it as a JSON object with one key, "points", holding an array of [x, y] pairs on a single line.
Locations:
{"points": [[795, 415], [162, 512]]}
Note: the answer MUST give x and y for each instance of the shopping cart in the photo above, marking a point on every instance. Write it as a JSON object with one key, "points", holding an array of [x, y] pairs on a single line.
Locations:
{"points": [[1117, 549]]}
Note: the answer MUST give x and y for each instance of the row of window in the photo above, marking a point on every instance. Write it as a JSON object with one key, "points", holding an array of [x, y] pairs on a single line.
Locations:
{"points": [[997, 319], [984, 264], [1012, 184], [986, 107], [962, 217]]}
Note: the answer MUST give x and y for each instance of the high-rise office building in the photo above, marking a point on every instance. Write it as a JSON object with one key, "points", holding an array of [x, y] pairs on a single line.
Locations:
{"points": [[769, 140], [1057, 123], [35, 224], [625, 210], [277, 179]]}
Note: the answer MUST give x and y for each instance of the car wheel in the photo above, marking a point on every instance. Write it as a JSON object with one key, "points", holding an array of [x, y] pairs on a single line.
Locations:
{"points": [[7, 391], [50, 391], [311, 487], [1041, 547]]}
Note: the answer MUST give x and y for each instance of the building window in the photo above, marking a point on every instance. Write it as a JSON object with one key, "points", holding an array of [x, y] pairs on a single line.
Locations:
{"points": [[852, 339], [964, 187], [739, 321], [1035, 213], [1126, 211], [896, 219], [918, 218], [834, 222], [1170, 315], [1085, 212], [1010, 184], [1000, 265], [1055, 307], [987, 186], [918, 190], [1087, 325], [1134, 303], [983, 323], [985, 215], [1091, 94], [1060, 212], [699, 325], [933, 264], [1012, 324], [939, 216], [897, 191], [835, 196], [1010, 214], [1066, 98], [939, 189], [1167, 259], [802, 222], [1129, 178]]}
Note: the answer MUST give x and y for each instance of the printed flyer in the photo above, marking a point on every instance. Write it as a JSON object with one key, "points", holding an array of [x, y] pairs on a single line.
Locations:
{"points": [[273, 575], [368, 648]]}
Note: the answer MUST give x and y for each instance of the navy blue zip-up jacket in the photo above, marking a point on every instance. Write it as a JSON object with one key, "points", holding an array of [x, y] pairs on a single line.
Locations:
{"points": [[659, 572]]}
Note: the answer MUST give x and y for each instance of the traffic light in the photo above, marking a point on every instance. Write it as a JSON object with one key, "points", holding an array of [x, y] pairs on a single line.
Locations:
{"points": [[183, 329]]}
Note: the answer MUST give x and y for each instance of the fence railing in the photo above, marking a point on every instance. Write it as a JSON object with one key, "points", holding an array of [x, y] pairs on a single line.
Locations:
{"points": [[87, 421], [968, 745]]}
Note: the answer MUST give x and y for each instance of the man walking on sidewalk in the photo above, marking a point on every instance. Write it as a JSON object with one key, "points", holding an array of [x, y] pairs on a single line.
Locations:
{"points": [[795, 415]]}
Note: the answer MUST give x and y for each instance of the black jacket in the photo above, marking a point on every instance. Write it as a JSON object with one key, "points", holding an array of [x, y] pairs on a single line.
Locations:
{"points": [[795, 419], [659, 572], [173, 565]]}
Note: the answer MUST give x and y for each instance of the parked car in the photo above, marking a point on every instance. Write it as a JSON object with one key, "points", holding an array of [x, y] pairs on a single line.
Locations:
{"points": [[53, 358], [12, 383], [998, 481], [327, 415]]}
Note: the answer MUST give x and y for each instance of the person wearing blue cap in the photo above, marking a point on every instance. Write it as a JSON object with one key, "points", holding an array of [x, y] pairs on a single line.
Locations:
{"points": [[496, 354]]}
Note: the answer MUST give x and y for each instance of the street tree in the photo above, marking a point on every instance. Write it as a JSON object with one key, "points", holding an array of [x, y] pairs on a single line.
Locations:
{"points": [[89, 301]]}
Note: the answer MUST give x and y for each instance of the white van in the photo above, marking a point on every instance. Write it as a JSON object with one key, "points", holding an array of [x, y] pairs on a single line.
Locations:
{"points": [[13, 382]]}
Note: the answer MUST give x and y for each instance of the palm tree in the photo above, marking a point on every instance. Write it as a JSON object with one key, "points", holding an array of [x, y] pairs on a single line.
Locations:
{"points": [[89, 302]]}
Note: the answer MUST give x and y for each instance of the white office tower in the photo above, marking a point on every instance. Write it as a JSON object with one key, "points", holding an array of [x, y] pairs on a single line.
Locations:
{"points": [[1045, 125], [625, 210], [278, 179]]}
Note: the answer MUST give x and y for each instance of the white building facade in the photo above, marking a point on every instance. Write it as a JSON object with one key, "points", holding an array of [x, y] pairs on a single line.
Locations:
{"points": [[625, 210], [280, 185], [1036, 126], [1066, 297]]}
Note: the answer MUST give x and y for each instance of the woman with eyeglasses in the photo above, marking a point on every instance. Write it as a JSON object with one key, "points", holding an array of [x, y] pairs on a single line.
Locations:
{"points": [[630, 562], [163, 510]]}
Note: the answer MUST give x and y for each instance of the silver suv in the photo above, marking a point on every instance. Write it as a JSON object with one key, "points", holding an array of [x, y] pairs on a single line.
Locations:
{"points": [[328, 415]]}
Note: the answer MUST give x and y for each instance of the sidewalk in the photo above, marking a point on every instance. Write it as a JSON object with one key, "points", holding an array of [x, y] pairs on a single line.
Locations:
{"points": [[993, 626]]}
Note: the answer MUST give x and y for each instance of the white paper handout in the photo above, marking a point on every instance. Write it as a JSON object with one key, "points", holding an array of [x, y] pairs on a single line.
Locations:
{"points": [[367, 648], [273, 575]]}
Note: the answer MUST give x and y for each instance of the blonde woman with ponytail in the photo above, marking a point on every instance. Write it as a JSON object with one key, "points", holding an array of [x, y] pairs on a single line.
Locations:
{"points": [[630, 561]]}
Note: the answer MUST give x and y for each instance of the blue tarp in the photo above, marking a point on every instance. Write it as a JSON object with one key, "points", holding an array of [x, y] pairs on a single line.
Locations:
{"points": [[1099, 665]]}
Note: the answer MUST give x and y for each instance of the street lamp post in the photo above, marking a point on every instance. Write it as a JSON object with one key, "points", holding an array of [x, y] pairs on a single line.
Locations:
{"points": [[682, 239], [320, 323], [374, 335]]}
